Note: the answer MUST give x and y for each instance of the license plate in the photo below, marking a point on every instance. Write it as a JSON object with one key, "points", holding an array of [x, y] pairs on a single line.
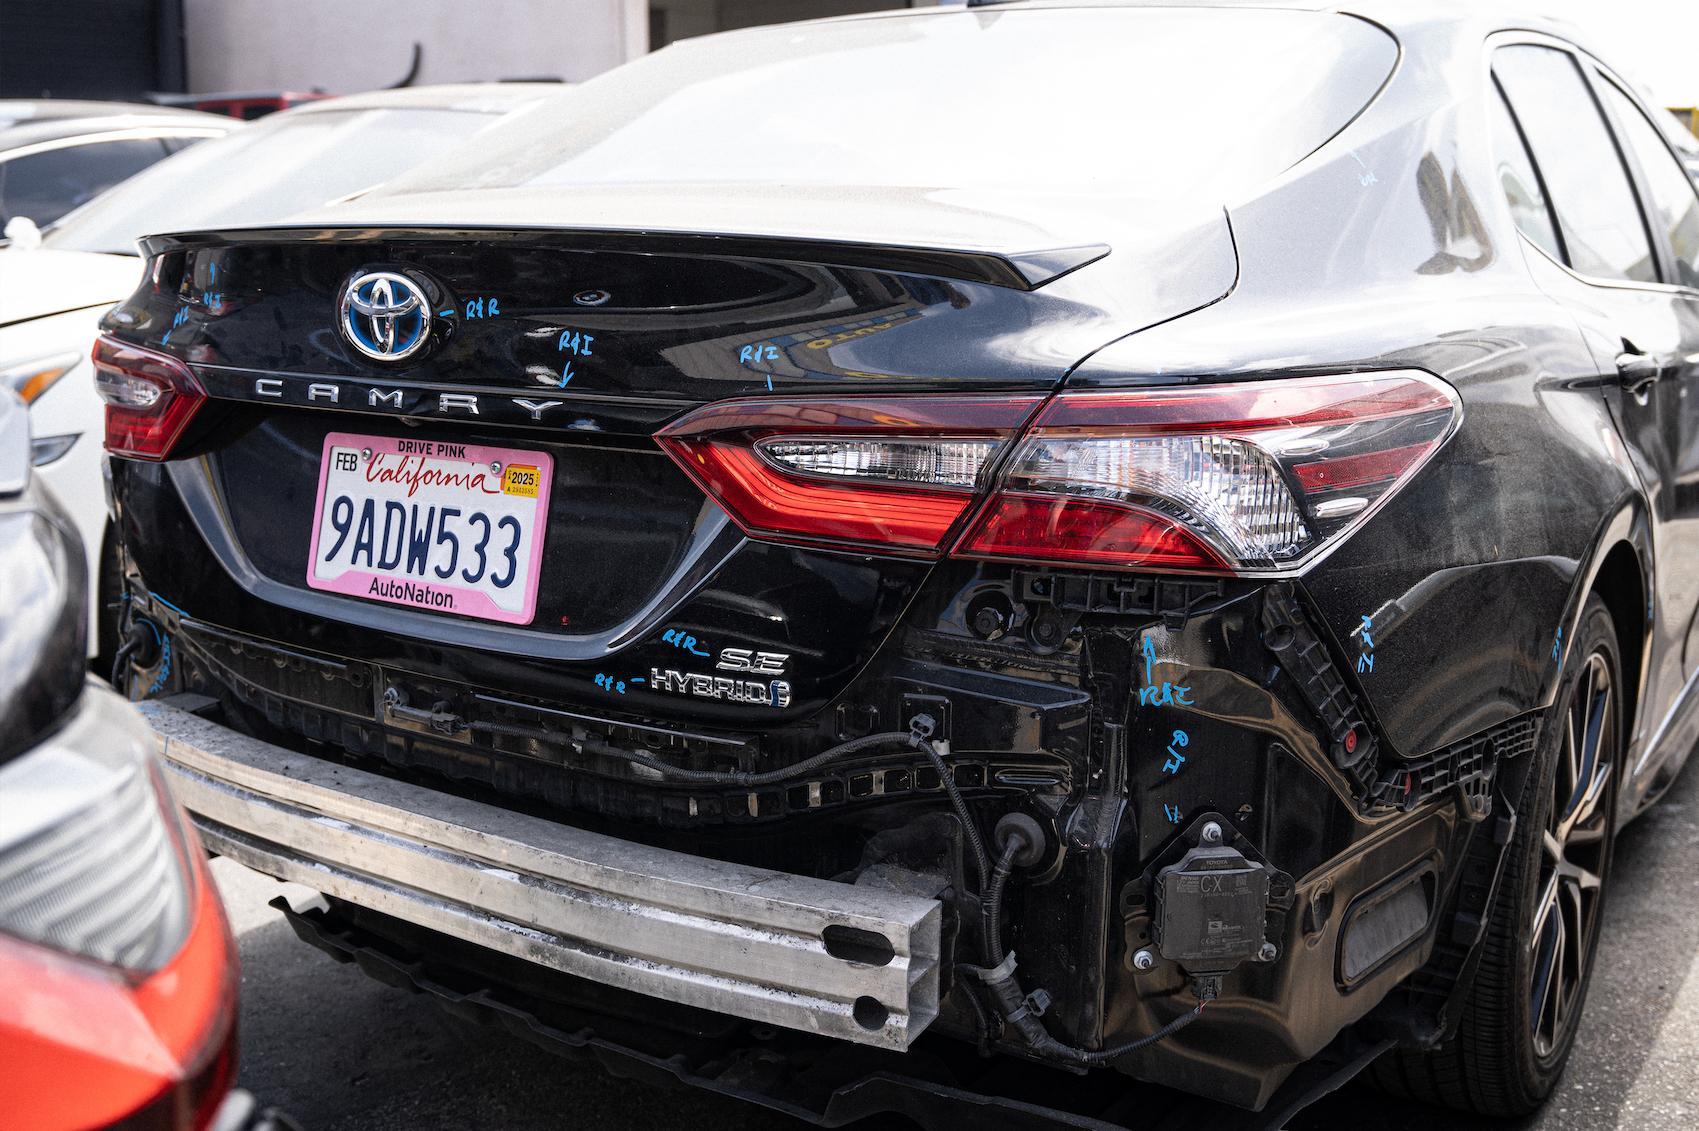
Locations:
{"points": [[452, 528]]}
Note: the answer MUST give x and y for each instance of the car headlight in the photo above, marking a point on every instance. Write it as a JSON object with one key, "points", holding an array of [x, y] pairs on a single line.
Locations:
{"points": [[33, 378], [93, 856]]}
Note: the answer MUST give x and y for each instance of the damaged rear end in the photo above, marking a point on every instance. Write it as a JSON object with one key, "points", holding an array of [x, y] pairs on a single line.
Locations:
{"points": [[765, 624], [754, 559]]}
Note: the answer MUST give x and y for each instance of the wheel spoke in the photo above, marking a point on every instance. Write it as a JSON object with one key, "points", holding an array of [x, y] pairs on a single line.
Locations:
{"points": [[1542, 916], [1580, 878], [1586, 810], [1569, 764], [1551, 992]]}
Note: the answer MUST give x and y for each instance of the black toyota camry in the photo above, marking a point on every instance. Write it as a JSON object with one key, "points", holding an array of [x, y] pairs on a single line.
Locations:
{"points": [[972, 530]]}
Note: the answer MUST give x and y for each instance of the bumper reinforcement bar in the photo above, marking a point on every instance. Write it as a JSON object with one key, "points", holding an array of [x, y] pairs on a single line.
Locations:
{"points": [[738, 940]]}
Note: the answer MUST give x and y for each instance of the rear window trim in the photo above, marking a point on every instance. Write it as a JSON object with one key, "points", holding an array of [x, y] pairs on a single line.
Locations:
{"points": [[1586, 61], [1597, 72]]}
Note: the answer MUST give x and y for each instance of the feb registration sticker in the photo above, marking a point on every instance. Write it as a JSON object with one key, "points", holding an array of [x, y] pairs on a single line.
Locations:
{"points": [[451, 528]]}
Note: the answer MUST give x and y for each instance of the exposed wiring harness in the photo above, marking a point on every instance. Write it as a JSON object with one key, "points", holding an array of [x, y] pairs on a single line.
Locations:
{"points": [[1020, 842], [666, 770], [807, 766], [1022, 1011]]}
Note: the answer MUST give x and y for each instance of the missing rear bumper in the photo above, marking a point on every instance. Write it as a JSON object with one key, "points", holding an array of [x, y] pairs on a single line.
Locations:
{"points": [[748, 942]]}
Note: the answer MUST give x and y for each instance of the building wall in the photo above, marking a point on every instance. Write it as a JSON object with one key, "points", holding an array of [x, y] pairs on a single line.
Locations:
{"points": [[681, 19], [343, 47], [89, 48]]}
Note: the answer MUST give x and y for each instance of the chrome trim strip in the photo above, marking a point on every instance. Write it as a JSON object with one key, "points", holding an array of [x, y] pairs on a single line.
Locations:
{"points": [[1683, 701]]}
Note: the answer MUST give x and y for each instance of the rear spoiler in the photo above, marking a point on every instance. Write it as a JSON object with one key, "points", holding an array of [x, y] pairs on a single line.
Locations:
{"points": [[1023, 271]]}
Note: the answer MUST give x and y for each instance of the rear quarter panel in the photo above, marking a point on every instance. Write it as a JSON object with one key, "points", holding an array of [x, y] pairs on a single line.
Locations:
{"points": [[1393, 248]]}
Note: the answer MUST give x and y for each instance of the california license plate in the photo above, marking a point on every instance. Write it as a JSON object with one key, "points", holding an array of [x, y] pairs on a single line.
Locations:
{"points": [[452, 528]]}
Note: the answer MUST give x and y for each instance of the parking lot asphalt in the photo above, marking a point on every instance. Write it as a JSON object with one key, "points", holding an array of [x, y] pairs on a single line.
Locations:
{"points": [[337, 1050]]}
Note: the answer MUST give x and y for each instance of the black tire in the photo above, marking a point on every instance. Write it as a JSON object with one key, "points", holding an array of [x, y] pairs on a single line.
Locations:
{"points": [[1515, 1033]]}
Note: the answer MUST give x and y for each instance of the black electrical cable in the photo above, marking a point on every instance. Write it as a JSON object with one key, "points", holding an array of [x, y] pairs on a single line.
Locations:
{"points": [[749, 780], [1115, 1052], [1021, 1011], [120, 673], [670, 772], [991, 907], [975, 843]]}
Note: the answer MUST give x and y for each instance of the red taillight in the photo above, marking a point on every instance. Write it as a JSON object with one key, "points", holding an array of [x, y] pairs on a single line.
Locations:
{"points": [[1082, 531], [150, 398], [898, 473], [1246, 476]]}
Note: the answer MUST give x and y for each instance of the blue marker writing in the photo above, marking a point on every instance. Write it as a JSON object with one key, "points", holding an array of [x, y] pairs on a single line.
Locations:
{"points": [[181, 317], [1172, 812], [757, 353], [1149, 656], [1165, 695], [678, 639], [1175, 758]]}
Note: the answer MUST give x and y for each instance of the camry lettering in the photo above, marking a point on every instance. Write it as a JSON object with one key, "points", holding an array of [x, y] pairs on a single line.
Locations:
{"points": [[422, 401], [536, 408]]}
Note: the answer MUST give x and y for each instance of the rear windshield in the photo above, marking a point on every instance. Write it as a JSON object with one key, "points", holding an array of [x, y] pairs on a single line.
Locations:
{"points": [[1141, 102], [264, 173]]}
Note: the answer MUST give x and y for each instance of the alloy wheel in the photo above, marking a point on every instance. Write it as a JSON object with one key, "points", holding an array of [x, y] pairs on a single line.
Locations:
{"points": [[1575, 853]]}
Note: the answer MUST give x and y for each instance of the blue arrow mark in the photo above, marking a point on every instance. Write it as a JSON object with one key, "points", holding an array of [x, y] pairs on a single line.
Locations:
{"points": [[566, 375], [1149, 657]]}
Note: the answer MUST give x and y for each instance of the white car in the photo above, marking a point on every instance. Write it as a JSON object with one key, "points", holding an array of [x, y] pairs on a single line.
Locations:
{"points": [[53, 296]]}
